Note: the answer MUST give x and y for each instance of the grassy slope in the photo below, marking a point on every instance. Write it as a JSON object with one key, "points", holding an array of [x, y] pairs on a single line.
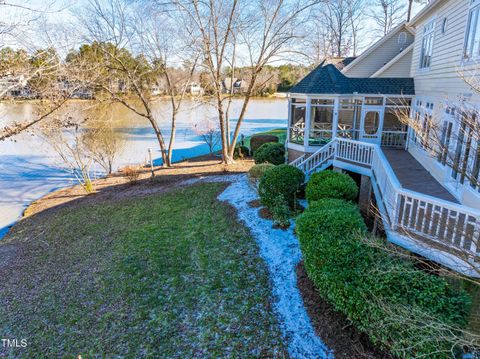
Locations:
{"points": [[281, 133], [173, 275]]}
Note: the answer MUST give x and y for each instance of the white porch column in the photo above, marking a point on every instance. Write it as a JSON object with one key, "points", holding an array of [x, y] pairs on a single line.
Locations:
{"points": [[289, 119], [308, 115], [336, 108]]}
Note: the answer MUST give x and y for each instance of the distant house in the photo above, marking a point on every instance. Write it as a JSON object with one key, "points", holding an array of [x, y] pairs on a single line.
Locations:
{"points": [[13, 86], [352, 117], [239, 85], [195, 89]]}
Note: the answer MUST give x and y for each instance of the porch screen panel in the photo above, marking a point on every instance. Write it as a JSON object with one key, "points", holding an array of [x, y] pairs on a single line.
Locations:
{"points": [[321, 126], [297, 123], [347, 127]]}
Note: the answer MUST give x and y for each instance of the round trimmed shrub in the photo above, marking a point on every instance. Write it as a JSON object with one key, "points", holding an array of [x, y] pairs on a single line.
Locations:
{"points": [[258, 140], [401, 308], [330, 184], [257, 171], [271, 152], [284, 180]]}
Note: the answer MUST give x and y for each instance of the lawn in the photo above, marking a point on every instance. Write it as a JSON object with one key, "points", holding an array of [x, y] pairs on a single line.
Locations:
{"points": [[281, 133], [172, 275]]}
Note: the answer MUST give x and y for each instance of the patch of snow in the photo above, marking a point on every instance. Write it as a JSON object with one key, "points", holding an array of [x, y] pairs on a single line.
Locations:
{"points": [[281, 251]]}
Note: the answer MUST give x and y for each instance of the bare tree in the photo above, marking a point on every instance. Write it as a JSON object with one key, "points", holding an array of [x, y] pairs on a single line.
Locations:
{"points": [[49, 84], [337, 17], [387, 14], [134, 50], [102, 142], [410, 7], [67, 140], [209, 132], [263, 29]]}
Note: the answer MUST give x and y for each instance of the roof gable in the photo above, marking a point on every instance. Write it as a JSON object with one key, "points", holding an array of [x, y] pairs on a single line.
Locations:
{"points": [[384, 50], [393, 61]]}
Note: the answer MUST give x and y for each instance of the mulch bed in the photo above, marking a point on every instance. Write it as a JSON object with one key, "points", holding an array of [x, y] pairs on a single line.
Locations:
{"points": [[255, 203], [265, 213], [333, 327]]}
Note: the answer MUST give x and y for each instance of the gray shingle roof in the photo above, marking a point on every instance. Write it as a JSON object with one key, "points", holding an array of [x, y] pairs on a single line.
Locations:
{"points": [[327, 79]]}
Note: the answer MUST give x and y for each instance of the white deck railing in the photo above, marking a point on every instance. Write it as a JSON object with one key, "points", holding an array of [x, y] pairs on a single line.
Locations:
{"points": [[408, 212], [396, 139]]}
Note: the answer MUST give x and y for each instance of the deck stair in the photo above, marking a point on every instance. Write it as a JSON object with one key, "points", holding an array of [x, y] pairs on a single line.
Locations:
{"points": [[441, 230]]}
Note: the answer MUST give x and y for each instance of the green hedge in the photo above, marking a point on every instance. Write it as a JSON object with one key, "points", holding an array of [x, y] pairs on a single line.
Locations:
{"points": [[257, 171], [258, 140], [330, 184], [282, 180], [384, 296], [270, 152]]}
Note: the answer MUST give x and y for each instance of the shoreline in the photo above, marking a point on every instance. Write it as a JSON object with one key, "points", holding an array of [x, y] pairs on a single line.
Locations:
{"points": [[198, 166]]}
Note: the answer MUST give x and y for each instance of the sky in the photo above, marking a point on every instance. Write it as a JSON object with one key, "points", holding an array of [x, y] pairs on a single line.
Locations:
{"points": [[53, 14]]}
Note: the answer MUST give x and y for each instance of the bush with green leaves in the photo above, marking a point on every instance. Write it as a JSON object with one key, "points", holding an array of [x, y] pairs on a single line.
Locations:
{"points": [[330, 184], [281, 212], [256, 141], [257, 171], [402, 309], [283, 180], [270, 152]]}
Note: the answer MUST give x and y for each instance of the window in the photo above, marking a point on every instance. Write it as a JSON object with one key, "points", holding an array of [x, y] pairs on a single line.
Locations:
{"points": [[402, 38], [374, 101], [475, 177], [463, 149], [372, 122], [444, 25], [427, 45], [445, 142], [472, 42]]}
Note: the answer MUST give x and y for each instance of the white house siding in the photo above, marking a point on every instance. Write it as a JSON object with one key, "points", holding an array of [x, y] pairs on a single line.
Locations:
{"points": [[443, 79], [442, 83], [371, 63], [400, 68]]}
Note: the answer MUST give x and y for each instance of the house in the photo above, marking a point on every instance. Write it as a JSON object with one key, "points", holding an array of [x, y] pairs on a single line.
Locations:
{"points": [[195, 89], [397, 117], [238, 86], [13, 86]]}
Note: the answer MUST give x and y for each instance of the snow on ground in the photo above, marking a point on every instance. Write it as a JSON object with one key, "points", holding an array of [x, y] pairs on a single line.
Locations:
{"points": [[281, 252]]}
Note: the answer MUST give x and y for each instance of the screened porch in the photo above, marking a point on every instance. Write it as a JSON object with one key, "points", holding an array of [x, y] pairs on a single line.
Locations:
{"points": [[315, 120]]}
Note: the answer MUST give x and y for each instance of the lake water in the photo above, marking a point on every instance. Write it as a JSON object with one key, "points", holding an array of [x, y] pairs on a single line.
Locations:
{"points": [[29, 169]]}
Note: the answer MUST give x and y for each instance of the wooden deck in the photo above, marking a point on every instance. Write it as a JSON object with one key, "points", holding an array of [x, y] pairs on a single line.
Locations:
{"points": [[413, 176]]}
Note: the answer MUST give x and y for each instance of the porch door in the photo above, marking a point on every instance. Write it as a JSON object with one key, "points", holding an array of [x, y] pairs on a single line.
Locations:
{"points": [[371, 124]]}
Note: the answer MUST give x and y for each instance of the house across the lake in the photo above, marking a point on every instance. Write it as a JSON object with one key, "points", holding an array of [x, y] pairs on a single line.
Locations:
{"points": [[403, 116]]}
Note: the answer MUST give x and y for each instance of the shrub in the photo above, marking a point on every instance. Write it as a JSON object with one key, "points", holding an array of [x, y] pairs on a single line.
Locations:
{"points": [[402, 309], [330, 184], [281, 212], [257, 171], [281, 180], [132, 173], [258, 140], [241, 152], [270, 152]]}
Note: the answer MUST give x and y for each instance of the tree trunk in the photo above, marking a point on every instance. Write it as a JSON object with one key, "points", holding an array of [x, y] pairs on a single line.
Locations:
{"points": [[226, 158], [409, 13], [172, 137], [161, 143]]}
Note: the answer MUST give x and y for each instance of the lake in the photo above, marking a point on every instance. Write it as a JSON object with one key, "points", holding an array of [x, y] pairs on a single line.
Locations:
{"points": [[29, 169]]}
